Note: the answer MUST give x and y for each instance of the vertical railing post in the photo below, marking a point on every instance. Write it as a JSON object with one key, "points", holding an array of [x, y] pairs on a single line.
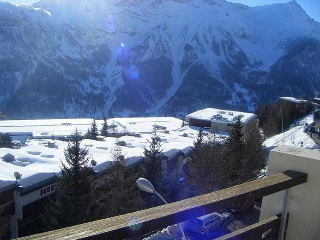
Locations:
{"points": [[284, 215]]}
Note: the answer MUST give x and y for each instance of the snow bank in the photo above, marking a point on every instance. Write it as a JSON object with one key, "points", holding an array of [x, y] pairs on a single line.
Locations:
{"points": [[294, 137]]}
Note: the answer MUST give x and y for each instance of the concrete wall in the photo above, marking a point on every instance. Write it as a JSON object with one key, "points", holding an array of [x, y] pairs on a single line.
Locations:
{"points": [[247, 127], [304, 200]]}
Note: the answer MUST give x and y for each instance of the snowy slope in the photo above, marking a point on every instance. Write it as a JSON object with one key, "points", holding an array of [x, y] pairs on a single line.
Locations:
{"points": [[295, 136], [121, 57]]}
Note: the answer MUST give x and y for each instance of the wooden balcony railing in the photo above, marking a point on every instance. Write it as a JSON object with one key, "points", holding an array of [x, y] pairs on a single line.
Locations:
{"points": [[145, 221]]}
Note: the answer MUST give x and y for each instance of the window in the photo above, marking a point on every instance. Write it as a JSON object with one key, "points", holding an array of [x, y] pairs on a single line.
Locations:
{"points": [[46, 190]]}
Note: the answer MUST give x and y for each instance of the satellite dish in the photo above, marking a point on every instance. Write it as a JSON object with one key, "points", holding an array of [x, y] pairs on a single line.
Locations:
{"points": [[17, 175]]}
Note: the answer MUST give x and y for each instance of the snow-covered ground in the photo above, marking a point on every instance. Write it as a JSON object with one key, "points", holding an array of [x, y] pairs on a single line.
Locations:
{"points": [[295, 136], [37, 162]]}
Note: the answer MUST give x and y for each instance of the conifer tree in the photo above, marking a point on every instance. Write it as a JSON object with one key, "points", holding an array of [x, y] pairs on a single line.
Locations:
{"points": [[119, 194], [105, 128], [199, 141], [236, 153], [153, 158], [93, 131], [256, 155], [152, 167], [74, 189], [207, 169], [124, 194], [5, 140]]}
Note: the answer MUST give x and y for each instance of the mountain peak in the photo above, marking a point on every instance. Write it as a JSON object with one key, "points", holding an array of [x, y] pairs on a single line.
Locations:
{"points": [[127, 57]]}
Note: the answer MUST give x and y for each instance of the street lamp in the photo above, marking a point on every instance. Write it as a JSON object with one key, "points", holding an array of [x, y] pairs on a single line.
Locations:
{"points": [[146, 186]]}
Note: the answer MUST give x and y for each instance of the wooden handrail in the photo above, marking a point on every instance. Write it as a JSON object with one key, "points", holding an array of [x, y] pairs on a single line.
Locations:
{"points": [[265, 229], [144, 221]]}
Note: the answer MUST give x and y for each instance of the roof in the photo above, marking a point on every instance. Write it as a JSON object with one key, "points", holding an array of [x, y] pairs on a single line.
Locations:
{"points": [[292, 99], [221, 116], [37, 162], [45, 127], [295, 151]]}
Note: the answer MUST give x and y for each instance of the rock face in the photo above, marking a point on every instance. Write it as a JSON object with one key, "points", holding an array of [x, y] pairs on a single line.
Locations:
{"points": [[72, 58]]}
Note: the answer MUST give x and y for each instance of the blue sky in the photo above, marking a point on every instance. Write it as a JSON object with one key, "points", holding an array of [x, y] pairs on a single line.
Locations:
{"points": [[312, 7]]}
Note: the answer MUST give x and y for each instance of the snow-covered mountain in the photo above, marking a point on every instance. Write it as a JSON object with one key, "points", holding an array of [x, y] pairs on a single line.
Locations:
{"points": [[70, 58]]}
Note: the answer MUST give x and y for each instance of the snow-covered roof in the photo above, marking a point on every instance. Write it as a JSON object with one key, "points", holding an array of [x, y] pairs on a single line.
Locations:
{"points": [[294, 100], [37, 162], [45, 127], [221, 116], [145, 124]]}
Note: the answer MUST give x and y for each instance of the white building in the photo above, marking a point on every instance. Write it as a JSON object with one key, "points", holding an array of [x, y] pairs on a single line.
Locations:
{"points": [[301, 202], [221, 120]]}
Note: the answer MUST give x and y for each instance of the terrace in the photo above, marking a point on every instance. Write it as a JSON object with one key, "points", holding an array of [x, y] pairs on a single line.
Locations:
{"points": [[145, 221]]}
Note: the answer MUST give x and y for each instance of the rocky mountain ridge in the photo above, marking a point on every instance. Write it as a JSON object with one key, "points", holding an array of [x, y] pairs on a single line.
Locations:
{"points": [[68, 58]]}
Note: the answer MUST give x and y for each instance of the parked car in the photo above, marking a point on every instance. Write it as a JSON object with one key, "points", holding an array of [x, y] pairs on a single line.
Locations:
{"points": [[205, 224]]}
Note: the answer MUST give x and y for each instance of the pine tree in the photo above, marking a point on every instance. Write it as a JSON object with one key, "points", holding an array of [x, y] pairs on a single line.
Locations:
{"points": [[199, 141], [88, 134], [153, 159], [236, 153], [152, 166], [5, 140], [119, 194], [74, 190], [207, 169], [124, 194], [256, 155], [93, 131], [105, 128]]}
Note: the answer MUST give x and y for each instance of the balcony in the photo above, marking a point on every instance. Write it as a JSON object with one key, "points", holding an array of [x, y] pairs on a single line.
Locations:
{"points": [[148, 220]]}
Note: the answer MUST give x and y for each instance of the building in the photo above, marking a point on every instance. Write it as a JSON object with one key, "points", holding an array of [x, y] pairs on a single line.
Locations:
{"points": [[316, 100], [39, 160], [299, 105], [301, 202], [222, 120]]}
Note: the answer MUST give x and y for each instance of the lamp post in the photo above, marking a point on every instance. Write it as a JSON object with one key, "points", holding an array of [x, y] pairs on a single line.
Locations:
{"points": [[282, 119], [146, 186]]}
